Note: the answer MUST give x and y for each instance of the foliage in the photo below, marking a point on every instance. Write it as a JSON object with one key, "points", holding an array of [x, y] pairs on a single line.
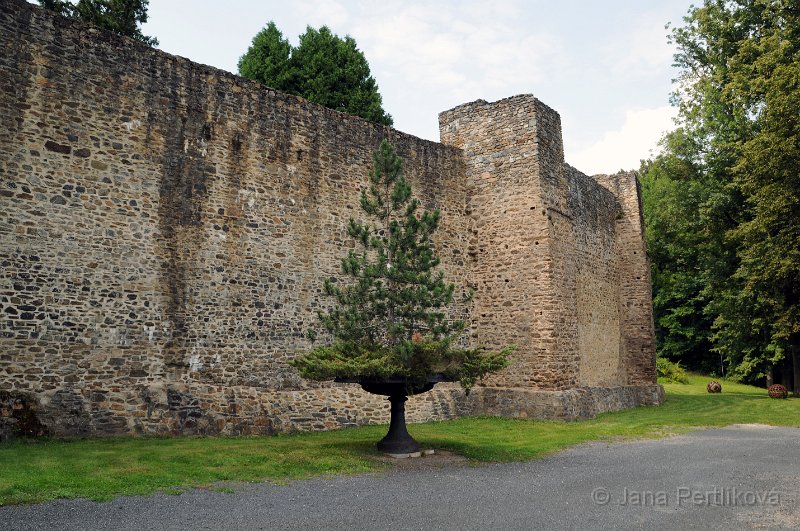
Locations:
{"points": [[723, 200], [678, 245], [670, 371], [100, 469], [267, 59], [389, 322], [324, 68], [122, 17]]}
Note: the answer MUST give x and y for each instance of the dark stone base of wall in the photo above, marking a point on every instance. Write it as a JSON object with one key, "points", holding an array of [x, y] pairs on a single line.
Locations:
{"points": [[174, 409], [573, 404], [200, 409], [19, 416]]}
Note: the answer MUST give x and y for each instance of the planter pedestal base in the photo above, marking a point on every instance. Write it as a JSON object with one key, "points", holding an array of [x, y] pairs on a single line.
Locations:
{"points": [[398, 440]]}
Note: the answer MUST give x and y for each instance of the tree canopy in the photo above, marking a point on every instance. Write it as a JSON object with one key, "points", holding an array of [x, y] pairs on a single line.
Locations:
{"points": [[324, 68], [119, 16], [723, 200], [388, 319]]}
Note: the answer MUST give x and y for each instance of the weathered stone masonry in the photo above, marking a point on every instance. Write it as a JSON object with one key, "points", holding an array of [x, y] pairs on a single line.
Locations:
{"points": [[165, 228]]}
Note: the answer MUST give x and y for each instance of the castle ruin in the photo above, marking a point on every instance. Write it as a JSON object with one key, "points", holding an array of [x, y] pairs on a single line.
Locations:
{"points": [[165, 228]]}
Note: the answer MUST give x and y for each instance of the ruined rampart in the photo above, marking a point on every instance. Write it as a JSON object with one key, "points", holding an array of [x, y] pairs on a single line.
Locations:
{"points": [[165, 228]]}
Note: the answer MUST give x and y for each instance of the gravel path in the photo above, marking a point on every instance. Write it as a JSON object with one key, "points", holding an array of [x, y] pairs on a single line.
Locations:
{"points": [[739, 477]]}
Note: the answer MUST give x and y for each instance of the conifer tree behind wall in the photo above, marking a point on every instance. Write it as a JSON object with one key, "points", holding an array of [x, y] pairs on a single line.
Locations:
{"points": [[323, 68], [389, 320]]}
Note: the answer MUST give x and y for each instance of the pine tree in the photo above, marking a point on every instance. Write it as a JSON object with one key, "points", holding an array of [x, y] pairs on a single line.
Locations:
{"points": [[389, 321]]}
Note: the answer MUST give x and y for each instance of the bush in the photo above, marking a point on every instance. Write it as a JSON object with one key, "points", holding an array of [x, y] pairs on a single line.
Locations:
{"points": [[671, 372]]}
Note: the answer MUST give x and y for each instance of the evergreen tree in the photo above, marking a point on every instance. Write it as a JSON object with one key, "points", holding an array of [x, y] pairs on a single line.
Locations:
{"points": [[122, 17], [333, 72], [267, 59], [323, 68], [63, 7], [389, 321]]}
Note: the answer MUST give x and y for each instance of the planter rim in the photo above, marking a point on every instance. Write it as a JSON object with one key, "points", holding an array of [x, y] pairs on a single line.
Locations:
{"points": [[436, 378], [395, 387]]}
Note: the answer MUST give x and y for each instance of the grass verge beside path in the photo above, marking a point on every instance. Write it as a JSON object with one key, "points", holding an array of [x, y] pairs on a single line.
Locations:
{"points": [[100, 469], [688, 406]]}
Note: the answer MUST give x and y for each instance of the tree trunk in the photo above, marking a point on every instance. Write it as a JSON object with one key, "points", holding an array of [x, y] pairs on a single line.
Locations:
{"points": [[770, 376], [786, 372]]}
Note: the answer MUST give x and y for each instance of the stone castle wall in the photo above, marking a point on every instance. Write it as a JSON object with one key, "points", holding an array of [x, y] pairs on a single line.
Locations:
{"points": [[166, 226], [561, 268]]}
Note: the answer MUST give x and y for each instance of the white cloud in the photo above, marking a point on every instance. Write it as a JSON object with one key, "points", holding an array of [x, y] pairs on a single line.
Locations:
{"points": [[429, 57], [587, 60], [432, 42], [642, 51], [322, 13], [623, 148]]}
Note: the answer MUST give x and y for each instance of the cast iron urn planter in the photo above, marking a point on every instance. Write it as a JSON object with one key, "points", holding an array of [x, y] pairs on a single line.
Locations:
{"points": [[397, 441]]}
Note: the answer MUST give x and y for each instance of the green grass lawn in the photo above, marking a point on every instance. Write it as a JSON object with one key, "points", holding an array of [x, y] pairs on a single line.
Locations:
{"points": [[100, 469]]}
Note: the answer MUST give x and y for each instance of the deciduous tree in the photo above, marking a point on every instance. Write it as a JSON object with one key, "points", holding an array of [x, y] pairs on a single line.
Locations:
{"points": [[739, 95]]}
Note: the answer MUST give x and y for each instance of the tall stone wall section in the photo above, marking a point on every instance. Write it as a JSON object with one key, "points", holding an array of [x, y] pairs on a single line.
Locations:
{"points": [[594, 211], [165, 228], [636, 310], [558, 265], [512, 265]]}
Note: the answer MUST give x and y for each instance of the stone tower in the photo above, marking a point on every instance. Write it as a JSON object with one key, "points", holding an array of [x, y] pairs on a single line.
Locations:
{"points": [[559, 265]]}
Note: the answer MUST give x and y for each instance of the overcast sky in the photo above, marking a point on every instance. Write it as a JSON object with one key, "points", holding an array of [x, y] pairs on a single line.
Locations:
{"points": [[604, 65]]}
